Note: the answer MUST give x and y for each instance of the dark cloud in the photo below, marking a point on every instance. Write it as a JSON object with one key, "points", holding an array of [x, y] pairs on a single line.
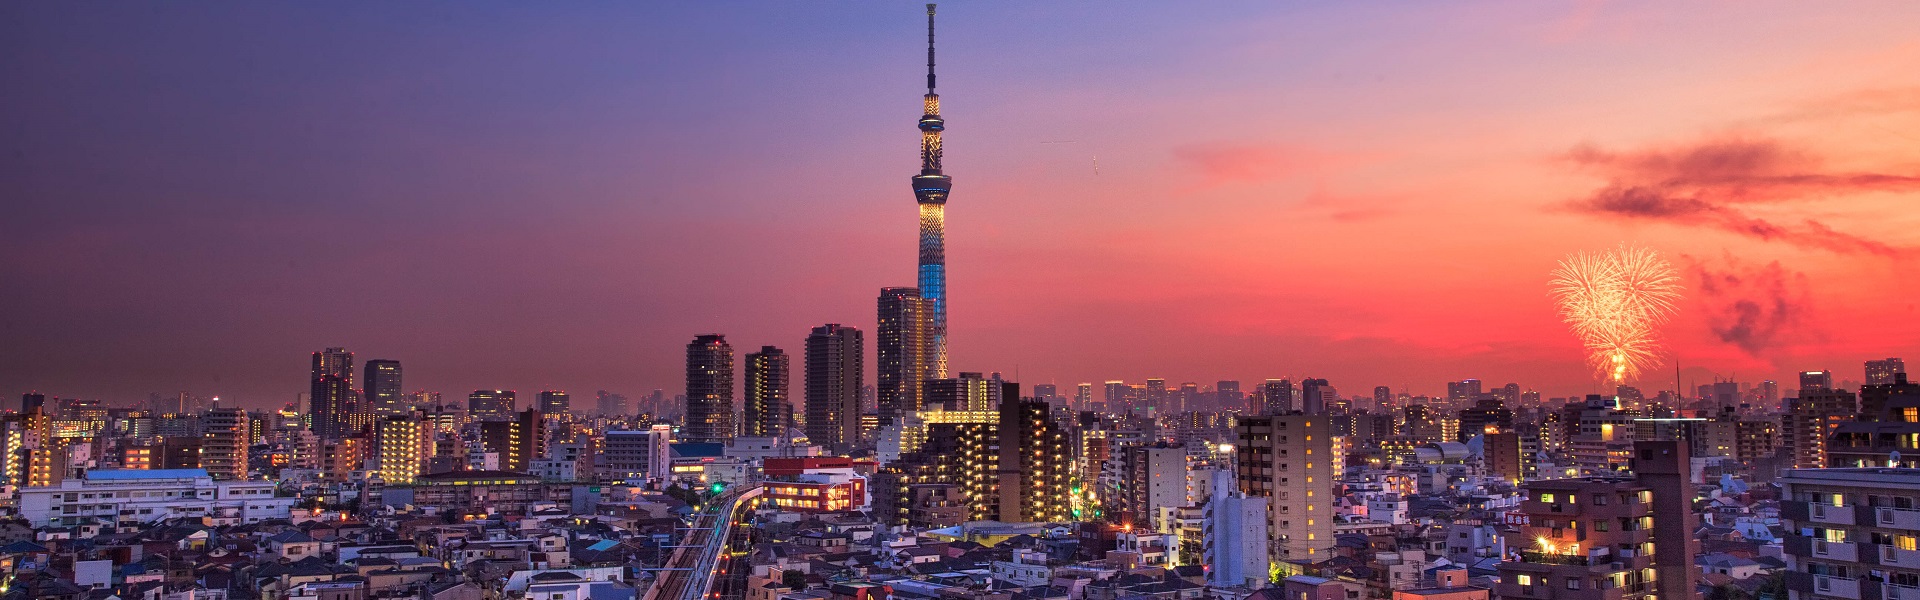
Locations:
{"points": [[1754, 307], [1707, 183]]}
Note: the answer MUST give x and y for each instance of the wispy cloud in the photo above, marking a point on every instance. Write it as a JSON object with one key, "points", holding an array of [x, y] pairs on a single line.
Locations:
{"points": [[1707, 183]]}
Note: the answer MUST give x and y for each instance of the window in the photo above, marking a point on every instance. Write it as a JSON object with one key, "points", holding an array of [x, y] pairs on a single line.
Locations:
{"points": [[1600, 500], [1548, 498], [1573, 583], [1525, 579], [1600, 525]]}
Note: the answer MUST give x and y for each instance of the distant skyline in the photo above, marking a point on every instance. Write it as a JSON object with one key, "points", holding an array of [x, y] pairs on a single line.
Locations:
{"points": [[199, 196]]}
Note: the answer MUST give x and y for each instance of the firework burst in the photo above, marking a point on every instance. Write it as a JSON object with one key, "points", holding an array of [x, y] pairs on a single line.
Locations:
{"points": [[1614, 301]]}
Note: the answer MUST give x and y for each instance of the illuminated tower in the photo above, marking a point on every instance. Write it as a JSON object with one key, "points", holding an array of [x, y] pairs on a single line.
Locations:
{"points": [[930, 187]]}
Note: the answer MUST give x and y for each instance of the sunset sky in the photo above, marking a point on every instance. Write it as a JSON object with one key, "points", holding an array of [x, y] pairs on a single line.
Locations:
{"points": [[508, 195]]}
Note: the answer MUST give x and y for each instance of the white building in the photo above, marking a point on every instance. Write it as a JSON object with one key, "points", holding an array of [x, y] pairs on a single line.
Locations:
{"points": [[132, 498], [1236, 533]]}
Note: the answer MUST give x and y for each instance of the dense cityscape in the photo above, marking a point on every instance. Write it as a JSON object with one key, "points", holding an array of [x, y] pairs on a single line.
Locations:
{"points": [[802, 471]]}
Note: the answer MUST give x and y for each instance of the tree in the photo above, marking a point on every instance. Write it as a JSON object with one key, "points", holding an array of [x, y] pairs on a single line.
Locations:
{"points": [[793, 580]]}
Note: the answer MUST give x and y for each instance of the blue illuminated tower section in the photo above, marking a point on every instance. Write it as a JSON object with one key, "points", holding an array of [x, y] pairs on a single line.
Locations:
{"points": [[930, 187]]}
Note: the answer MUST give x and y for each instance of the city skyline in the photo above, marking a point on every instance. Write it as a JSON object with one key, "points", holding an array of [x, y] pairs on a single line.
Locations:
{"points": [[516, 242]]}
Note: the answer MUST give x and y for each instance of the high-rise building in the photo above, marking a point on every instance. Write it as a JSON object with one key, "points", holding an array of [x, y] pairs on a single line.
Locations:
{"points": [[1586, 538], [331, 392], [402, 446], [900, 356], [768, 406], [968, 392], [1156, 396], [709, 390], [482, 404], [1885, 432], [930, 189], [383, 388], [1811, 419], [555, 402], [1278, 395], [1463, 391], [833, 386], [32, 400], [628, 455], [1046, 391], [1488, 415], [519, 440], [1289, 459], [225, 435], [1227, 396], [1315, 396], [1155, 478], [1881, 372], [611, 404], [1382, 399], [1188, 398], [1815, 380]]}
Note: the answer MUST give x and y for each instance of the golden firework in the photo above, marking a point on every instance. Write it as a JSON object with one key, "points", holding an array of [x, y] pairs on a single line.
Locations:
{"points": [[1614, 301]]}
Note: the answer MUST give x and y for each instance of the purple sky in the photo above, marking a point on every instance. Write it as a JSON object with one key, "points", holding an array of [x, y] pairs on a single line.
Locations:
{"points": [[196, 196]]}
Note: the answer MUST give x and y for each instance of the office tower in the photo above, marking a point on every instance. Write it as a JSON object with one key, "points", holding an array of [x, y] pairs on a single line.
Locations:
{"points": [[1382, 399], [1509, 394], [709, 390], [1155, 478], [32, 400], [1278, 394], [1463, 391], [833, 386], [1315, 396], [555, 402], [768, 406], [1881, 372], [1156, 396], [331, 393], [1114, 396], [519, 440], [1188, 398], [930, 189], [1289, 459], [482, 404], [900, 358], [402, 445], [1045, 391], [1584, 538], [1815, 380], [225, 437], [968, 392], [1488, 415], [611, 404], [1083, 397], [1227, 396], [383, 393], [1811, 419], [660, 457]]}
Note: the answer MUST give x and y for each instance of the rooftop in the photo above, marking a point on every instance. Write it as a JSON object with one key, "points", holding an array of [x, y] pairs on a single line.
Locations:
{"points": [[143, 474]]}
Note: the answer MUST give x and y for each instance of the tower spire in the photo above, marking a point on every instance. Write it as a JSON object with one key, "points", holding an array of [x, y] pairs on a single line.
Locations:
{"points": [[930, 48]]}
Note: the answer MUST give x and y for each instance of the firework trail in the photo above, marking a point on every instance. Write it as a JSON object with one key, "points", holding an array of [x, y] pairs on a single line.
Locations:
{"points": [[1614, 301]]}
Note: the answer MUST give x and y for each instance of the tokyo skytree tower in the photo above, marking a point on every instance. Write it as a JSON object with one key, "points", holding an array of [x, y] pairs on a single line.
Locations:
{"points": [[930, 187]]}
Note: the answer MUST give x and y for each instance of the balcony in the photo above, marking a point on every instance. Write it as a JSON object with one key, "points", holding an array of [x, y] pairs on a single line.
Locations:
{"points": [[1895, 591], [1839, 551], [1895, 557], [1897, 518], [1836, 587], [1829, 514]]}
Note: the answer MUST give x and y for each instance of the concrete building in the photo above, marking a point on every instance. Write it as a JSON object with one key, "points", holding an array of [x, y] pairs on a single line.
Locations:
{"points": [[1606, 538], [1851, 533], [1235, 529], [134, 498], [1289, 460]]}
